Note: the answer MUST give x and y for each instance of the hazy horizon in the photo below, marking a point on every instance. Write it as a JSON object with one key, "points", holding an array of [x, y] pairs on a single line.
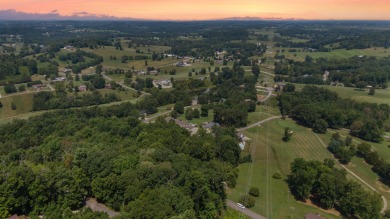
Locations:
{"points": [[199, 10]]}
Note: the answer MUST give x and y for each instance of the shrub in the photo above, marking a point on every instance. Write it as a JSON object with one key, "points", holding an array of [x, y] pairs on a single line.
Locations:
{"points": [[277, 176], [254, 191], [247, 201]]}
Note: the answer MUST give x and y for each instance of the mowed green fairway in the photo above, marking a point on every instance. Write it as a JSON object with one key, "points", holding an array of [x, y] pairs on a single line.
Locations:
{"points": [[275, 200]]}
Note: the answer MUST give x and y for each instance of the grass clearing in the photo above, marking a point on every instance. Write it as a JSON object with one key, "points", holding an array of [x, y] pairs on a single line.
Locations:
{"points": [[23, 103], [381, 95], [233, 214], [280, 203], [337, 54], [360, 167]]}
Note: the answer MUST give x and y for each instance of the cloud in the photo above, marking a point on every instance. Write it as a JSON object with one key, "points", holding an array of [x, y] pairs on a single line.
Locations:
{"points": [[12, 14]]}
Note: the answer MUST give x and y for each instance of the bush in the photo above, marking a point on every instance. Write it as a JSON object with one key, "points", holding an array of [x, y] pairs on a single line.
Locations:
{"points": [[254, 191], [21, 88], [277, 176], [320, 126], [245, 159], [247, 201], [13, 106]]}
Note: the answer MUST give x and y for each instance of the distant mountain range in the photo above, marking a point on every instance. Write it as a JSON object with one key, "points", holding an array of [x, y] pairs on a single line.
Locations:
{"points": [[12, 14]]}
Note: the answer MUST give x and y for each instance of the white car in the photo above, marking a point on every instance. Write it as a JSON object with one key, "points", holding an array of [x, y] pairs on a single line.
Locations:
{"points": [[240, 205]]}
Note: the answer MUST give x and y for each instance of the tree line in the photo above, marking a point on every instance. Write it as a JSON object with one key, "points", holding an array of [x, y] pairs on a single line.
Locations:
{"points": [[320, 108], [329, 187], [352, 72], [345, 150]]}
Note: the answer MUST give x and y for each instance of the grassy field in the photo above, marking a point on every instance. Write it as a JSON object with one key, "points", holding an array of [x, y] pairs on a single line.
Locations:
{"points": [[23, 104], [381, 95], [360, 167], [108, 51], [275, 200], [233, 214], [337, 54]]}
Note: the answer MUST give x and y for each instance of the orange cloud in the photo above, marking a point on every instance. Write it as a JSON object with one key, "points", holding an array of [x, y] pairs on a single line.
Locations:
{"points": [[211, 9]]}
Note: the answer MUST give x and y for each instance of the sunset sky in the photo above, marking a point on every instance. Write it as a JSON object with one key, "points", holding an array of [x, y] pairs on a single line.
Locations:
{"points": [[210, 9]]}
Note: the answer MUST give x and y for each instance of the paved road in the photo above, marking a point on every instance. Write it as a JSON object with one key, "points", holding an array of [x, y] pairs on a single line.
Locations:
{"points": [[259, 123], [357, 177], [246, 211], [97, 207]]}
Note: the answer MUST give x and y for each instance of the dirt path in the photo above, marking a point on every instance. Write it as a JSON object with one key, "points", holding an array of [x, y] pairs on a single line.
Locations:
{"points": [[267, 73], [246, 211], [258, 123], [147, 120], [270, 90], [357, 177], [97, 207]]}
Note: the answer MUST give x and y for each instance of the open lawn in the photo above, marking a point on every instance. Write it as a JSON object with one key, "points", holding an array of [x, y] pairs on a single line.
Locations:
{"points": [[337, 54], [200, 120], [22, 102], [123, 95], [109, 51], [381, 95], [261, 113], [233, 214], [360, 167], [275, 200]]}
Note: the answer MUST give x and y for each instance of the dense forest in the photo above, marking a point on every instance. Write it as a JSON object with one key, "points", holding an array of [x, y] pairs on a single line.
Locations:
{"points": [[319, 108], [53, 162]]}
